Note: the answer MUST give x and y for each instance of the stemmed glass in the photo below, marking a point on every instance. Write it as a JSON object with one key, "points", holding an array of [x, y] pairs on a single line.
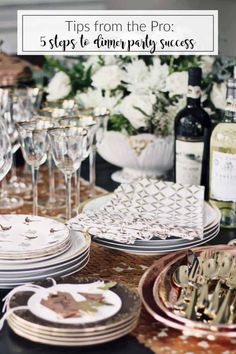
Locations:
{"points": [[5, 152], [52, 115], [17, 108], [101, 115], [34, 144], [6, 107], [20, 110], [89, 123], [68, 145]]}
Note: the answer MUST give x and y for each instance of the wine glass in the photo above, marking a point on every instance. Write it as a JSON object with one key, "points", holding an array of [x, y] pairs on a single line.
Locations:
{"points": [[17, 109], [52, 114], [89, 123], [6, 103], [34, 145], [68, 145], [5, 152], [101, 115]]}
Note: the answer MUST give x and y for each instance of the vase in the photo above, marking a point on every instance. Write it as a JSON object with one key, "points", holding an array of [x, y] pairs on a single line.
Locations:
{"points": [[142, 155]]}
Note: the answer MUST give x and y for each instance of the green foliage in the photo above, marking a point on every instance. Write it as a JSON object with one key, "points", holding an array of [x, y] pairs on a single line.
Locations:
{"points": [[80, 78], [119, 123]]}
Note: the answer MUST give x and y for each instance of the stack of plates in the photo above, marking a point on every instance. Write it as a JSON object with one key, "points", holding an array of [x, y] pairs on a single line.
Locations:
{"points": [[157, 246], [159, 292], [116, 317], [33, 248]]}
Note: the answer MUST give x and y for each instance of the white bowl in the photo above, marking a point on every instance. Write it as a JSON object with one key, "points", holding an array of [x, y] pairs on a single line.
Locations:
{"points": [[143, 155]]}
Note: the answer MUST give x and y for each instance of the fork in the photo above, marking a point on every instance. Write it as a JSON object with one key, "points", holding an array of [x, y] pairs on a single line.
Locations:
{"points": [[185, 294]]}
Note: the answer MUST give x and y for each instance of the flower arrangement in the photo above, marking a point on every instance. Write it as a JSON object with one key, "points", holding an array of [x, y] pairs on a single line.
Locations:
{"points": [[143, 93]]}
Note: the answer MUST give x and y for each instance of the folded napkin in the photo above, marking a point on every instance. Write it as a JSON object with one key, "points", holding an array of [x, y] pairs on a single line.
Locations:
{"points": [[145, 210]]}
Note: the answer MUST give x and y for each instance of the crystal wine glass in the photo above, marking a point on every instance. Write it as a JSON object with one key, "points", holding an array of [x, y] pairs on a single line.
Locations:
{"points": [[34, 144], [18, 109], [67, 149], [89, 123], [5, 152], [101, 115], [6, 94], [52, 114]]}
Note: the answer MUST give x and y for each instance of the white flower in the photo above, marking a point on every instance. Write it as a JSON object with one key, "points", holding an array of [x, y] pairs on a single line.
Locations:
{"points": [[59, 86], [158, 75], [93, 61], [135, 75], [94, 98], [129, 106], [107, 77], [177, 83], [206, 64], [142, 79], [218, 95], [109, 59]]}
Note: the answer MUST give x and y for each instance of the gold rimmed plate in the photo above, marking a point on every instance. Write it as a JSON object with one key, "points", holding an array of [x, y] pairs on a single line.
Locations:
{"points": [[79, 334], [73, 342], [130, 307]]}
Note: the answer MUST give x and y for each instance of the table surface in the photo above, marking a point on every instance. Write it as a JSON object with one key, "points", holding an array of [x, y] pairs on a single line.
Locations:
{"points": [[12, 344]]}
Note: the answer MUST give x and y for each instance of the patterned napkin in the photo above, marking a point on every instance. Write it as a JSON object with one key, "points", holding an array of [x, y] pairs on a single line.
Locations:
{"points": [[145, 210]]}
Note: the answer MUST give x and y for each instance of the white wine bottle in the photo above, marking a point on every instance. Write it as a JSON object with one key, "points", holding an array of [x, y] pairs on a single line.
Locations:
{"points": [[223, 161]]}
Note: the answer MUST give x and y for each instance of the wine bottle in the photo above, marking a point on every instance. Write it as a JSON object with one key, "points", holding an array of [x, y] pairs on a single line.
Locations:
{"points": [[223, 161], [192, 136]]}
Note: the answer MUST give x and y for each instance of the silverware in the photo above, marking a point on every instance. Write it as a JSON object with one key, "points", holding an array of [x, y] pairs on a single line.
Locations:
{"points": [[222, 312], [180, 276], [232, 313], [190, 310], [186, 291]]}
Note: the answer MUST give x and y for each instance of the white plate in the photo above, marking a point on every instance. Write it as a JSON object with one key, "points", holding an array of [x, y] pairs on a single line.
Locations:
{"points": [[24, 238], [102, 313], [158, 251], [210, 213], [36, 272], [173, 242], [49, 273], [79, 243], [76, 268], [156, 247]]}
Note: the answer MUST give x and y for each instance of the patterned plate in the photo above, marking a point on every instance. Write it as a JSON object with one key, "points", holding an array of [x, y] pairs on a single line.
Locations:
{"points": [[27, 236], [80, 242]]}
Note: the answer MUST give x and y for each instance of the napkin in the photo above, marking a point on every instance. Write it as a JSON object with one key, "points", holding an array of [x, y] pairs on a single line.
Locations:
{"points": [[148, 209]]}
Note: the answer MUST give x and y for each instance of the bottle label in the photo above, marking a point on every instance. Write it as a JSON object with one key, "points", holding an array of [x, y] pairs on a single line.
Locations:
{"points": [[189, 156], [230, 104], [194, 91], [223, 176]]}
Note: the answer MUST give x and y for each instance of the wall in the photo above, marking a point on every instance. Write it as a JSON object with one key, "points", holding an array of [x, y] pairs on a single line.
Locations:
{"points": [[226, 8]]}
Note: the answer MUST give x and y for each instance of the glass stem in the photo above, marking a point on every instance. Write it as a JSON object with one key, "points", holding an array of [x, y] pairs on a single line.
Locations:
{"points": [[51, 177], [3, 192], [77, 189], [35, 171], [13, 169], [68, 196], [92, 170]]}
